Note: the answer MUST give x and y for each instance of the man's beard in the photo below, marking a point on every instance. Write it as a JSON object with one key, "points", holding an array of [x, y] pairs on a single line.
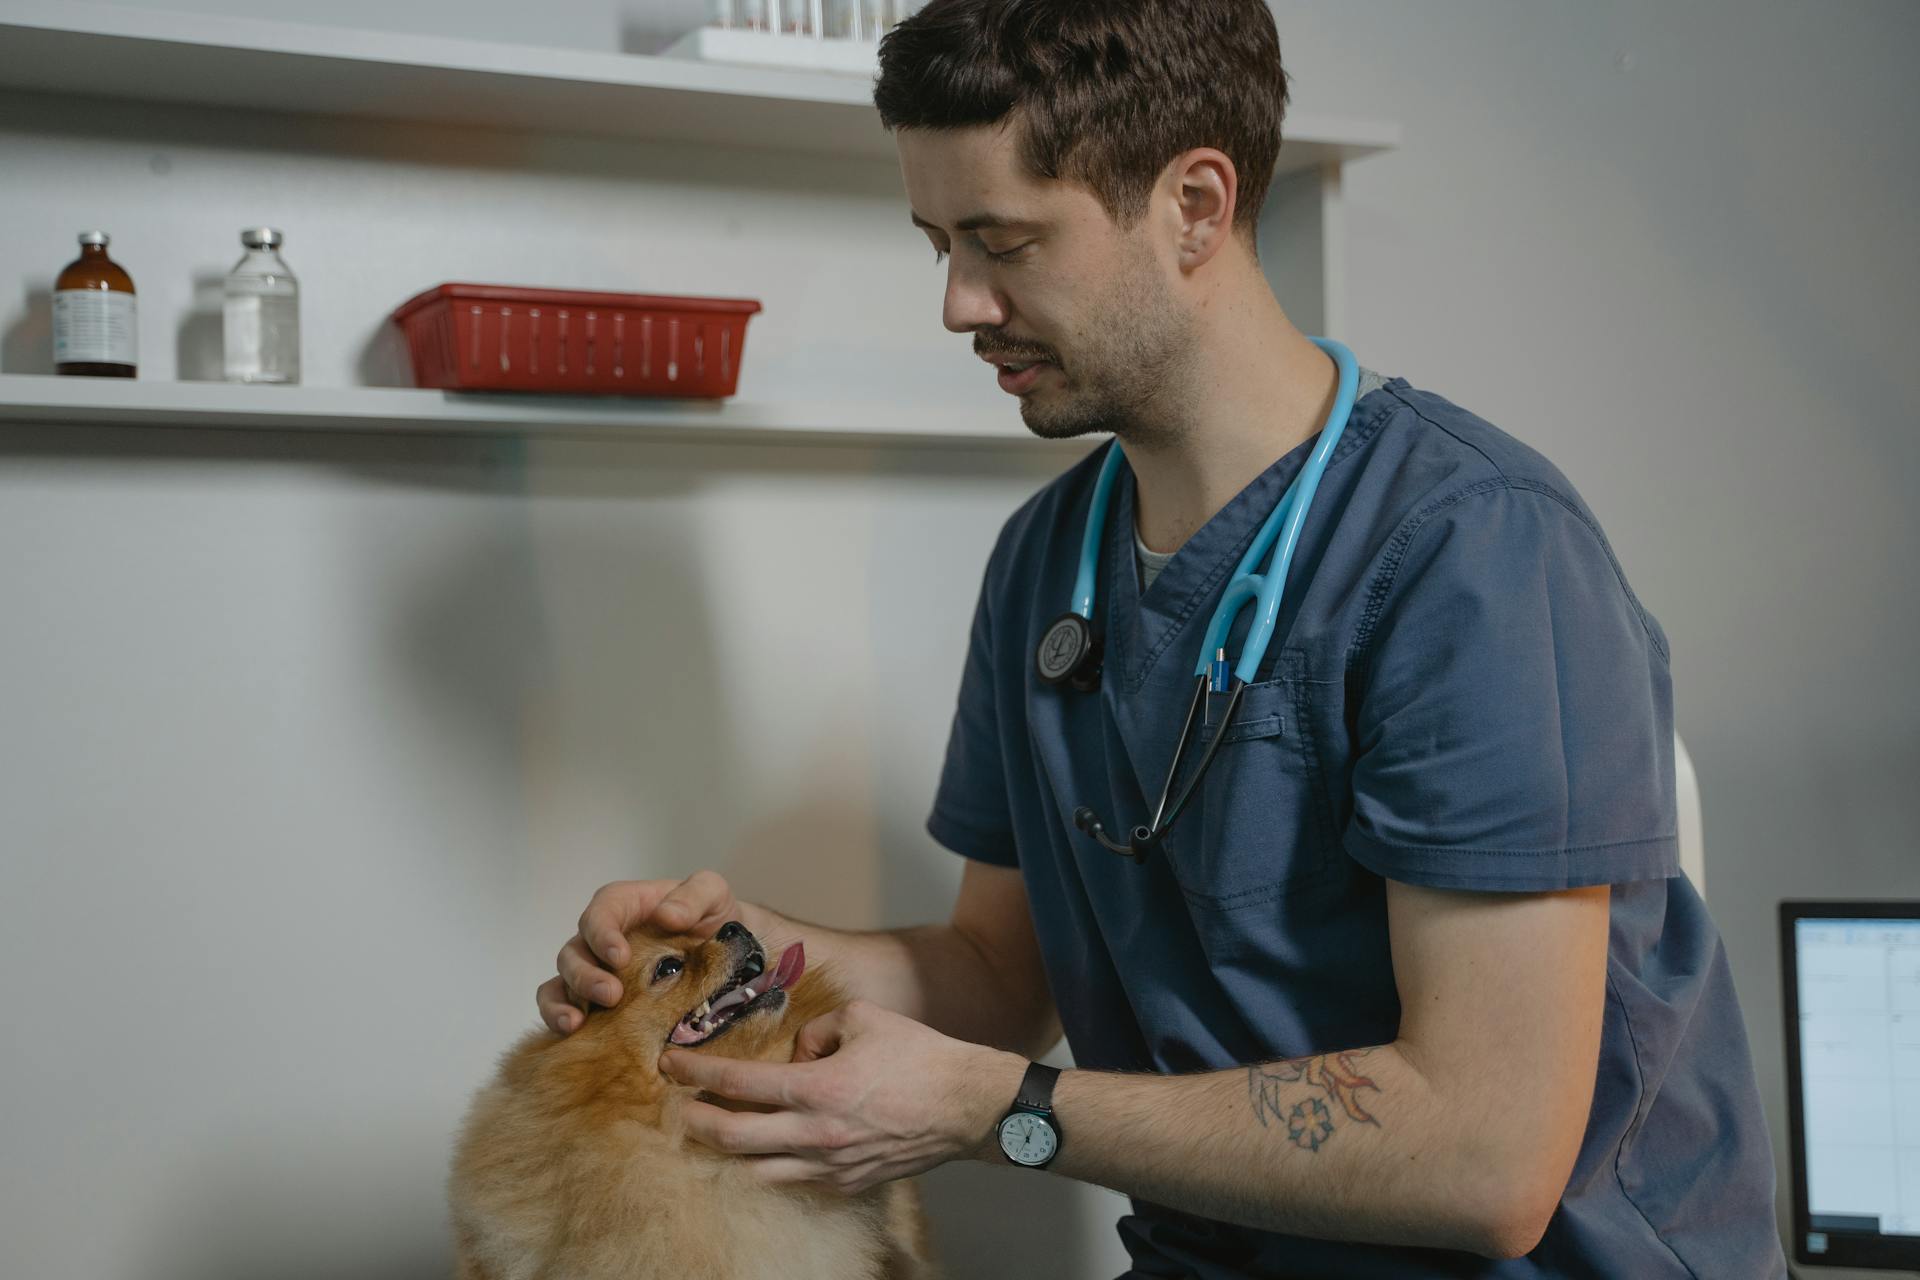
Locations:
{"points": [[1125, 379]]}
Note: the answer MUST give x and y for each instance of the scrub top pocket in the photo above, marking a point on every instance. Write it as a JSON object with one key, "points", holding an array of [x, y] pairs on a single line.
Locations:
{"points": [[1259, 824]]}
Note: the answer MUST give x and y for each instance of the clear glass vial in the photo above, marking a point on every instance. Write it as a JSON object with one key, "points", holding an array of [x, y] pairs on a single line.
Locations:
{"points": [[262, 314]]}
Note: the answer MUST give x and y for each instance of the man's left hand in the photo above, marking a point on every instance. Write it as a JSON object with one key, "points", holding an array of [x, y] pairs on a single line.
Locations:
{"points": [[870, 1096]]}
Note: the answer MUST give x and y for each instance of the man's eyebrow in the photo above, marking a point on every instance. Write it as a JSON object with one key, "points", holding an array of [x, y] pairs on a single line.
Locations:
{"points": [[973, 222]]}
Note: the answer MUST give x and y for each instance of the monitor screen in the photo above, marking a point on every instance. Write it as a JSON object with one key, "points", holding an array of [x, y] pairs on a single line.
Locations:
{"points": [[1851, 982]]}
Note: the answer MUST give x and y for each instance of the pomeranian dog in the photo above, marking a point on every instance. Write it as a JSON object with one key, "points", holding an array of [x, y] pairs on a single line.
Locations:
{"points": [[573, 1163]]}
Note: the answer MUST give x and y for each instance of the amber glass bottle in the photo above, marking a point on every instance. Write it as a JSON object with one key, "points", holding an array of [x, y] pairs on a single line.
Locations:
{"points": [[94, 325]]}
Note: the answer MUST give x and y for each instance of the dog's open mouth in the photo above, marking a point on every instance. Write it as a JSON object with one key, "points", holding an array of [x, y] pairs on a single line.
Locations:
{"points": [[745, 992]]}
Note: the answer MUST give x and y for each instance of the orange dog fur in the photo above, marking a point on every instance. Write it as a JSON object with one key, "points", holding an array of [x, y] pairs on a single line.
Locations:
{"points": [[573, 1163]]}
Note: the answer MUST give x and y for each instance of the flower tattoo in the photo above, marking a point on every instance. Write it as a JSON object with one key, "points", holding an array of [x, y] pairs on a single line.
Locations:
{"points": [[1309, 1121]]}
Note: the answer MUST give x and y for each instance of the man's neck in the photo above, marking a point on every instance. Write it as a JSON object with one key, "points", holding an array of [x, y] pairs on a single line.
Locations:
{"points": [[1257, 389]]}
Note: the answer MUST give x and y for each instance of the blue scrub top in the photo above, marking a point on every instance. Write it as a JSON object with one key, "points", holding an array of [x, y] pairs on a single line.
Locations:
{"points": [[1462, 692]]}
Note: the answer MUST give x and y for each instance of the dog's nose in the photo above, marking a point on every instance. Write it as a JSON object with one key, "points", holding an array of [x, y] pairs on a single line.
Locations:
{"points": [[730, 930]]}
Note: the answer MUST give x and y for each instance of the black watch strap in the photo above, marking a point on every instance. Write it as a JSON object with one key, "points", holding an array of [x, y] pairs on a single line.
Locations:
{"points": [[1036, 1089]]}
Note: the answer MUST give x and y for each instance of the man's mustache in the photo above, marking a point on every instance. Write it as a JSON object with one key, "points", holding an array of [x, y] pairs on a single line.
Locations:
{"points": [[984, 346]]}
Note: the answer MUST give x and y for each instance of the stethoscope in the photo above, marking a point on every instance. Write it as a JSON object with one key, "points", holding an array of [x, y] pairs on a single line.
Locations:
{"points": [[1069, 653]]}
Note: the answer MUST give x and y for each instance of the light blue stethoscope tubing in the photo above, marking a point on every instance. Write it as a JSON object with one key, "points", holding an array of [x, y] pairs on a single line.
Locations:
{"points": [[1096, 527], [1288, 516], [1291, 511], [1284, 522]]}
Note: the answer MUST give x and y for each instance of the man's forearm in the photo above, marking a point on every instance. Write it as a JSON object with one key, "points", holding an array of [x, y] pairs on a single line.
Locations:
{"points": [[931, 973], [1343, 1146]]}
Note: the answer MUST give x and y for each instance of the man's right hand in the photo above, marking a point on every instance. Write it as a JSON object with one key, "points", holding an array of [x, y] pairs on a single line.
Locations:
{"points": [[699, 905]]}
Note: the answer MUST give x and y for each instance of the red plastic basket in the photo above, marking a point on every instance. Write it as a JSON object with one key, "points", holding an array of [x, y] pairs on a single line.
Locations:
{"points": [[478, 337]]}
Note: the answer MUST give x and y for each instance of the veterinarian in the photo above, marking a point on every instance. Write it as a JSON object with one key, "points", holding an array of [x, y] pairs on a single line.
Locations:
{"points": [[1412, 986]]}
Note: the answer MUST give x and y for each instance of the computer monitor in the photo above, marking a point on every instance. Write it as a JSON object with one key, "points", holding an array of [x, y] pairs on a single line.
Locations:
{"points": [[1851, 983]]}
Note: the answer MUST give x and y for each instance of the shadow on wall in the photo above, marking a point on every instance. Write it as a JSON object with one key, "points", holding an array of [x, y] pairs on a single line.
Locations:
{"points": [[537, 652], [199, 350], [384, 360], [814, 860], [972, 1206], [27, 345]]}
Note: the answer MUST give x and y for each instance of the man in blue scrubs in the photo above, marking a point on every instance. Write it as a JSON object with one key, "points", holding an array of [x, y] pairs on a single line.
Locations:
{"points": [[1414, 987]]}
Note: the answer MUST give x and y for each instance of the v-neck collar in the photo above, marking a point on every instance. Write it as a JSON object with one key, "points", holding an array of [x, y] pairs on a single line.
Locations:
{"points": [[1141, 625]]}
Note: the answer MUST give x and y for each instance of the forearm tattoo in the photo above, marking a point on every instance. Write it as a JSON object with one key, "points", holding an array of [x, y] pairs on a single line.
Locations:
{"points": [[1309, 1121]]}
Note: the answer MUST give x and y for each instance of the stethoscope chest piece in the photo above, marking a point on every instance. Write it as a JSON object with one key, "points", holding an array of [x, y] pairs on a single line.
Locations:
{"points": [[1069, 654]]}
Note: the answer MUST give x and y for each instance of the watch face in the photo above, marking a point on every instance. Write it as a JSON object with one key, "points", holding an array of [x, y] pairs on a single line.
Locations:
{"points": [[1028, 1139]]}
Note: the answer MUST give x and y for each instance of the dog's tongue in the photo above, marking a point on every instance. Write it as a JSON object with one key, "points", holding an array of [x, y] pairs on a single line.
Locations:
{"points": [[792, 963]]}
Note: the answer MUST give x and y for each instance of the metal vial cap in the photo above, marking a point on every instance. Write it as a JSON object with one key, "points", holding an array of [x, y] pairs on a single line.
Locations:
{"points": [[261, 238], [94, 237]]}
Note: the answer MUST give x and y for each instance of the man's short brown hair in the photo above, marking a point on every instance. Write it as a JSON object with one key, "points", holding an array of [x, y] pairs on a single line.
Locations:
{"points": [[1108, 91]]}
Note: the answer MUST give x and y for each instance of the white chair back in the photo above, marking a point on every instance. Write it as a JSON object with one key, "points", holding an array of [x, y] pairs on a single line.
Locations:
{"points": [[1693, 851]]}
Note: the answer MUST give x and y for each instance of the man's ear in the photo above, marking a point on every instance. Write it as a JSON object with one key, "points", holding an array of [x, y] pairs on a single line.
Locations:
{"points": [[1203, 191]]}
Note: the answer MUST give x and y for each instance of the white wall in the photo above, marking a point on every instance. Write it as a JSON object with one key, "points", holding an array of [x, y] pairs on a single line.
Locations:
{"points": [[314, 748]]}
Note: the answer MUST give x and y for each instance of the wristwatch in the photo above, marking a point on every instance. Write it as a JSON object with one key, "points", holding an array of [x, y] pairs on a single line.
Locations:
{"points": [[1029, 1135]]}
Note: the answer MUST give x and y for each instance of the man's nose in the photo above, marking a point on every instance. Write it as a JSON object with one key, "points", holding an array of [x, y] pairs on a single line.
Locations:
{"points": [[730, 930], [970, 304]]}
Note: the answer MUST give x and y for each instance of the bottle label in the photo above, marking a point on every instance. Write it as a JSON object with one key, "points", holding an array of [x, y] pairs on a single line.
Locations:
{"points": [[94, 326]]}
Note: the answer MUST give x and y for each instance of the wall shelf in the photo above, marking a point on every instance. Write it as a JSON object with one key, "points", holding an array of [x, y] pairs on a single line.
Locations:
{"points": [[42, 398], [55, 54], [106, 50]]}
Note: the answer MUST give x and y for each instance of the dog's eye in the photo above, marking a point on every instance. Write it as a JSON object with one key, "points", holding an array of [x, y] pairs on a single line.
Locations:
{"points": [[668, 967]]}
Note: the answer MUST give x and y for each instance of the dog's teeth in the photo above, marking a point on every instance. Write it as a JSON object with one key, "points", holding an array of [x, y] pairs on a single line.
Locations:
{"points": [[749, 991]]}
